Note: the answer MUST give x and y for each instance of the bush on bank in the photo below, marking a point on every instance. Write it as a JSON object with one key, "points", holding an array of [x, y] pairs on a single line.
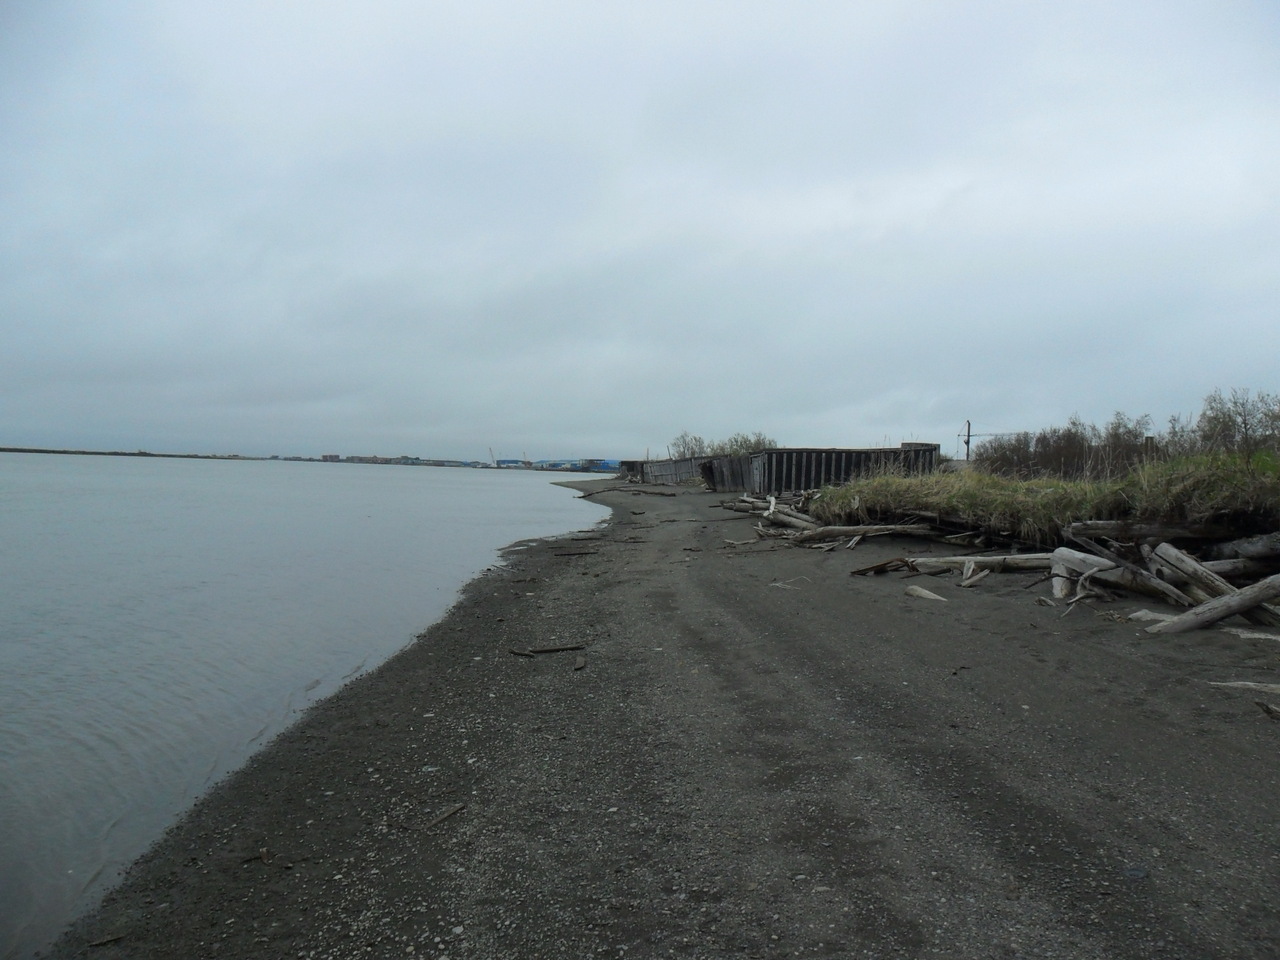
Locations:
{"points": [[1243, 423]]}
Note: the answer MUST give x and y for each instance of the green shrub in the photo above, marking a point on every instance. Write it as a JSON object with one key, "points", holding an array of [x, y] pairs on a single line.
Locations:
{"points": [[1241, 423]]}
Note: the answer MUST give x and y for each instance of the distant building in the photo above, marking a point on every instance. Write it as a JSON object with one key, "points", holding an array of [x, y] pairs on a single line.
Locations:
{"points": [[331, 458], [578, 466]]}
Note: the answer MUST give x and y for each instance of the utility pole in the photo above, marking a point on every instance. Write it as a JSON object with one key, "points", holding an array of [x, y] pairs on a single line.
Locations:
{"points": [[968, 436]]}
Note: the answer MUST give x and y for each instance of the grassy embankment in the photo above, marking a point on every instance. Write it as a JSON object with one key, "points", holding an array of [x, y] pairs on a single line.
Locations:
{"points": [[1221, 467], [1227, 489]]}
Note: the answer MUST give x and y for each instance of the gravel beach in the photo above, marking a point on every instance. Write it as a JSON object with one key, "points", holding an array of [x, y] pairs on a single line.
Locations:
{"points": [[753, 754]]}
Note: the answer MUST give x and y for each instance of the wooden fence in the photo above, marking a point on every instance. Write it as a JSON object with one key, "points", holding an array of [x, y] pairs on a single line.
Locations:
{"points": [[786, 470], [665, 471], [789, 471]]}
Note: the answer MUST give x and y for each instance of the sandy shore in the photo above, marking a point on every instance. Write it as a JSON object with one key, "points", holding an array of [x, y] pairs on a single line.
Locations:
{"points": [[756, 756]]}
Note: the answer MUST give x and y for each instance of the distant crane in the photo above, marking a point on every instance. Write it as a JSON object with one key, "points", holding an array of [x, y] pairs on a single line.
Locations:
{"points": [[492, 458]]}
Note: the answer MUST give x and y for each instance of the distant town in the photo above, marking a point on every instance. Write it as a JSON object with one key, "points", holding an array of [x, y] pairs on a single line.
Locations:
{"points": [[586, 465], [582, 465]]}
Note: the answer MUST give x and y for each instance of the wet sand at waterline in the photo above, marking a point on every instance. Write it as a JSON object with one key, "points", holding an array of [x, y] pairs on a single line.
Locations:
{"points": [[753, 754]]}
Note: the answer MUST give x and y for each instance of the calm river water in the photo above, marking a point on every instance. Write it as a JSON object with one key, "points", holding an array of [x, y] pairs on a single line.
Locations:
{"points": [[163, 618]]}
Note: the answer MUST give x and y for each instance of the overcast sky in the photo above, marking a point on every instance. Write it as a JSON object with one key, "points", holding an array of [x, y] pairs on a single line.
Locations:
{"points": [[580, 228]]}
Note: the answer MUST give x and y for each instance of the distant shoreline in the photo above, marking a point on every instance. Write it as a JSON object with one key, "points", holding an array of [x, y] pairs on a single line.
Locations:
{"points": [[147, 453], [561, 466]]}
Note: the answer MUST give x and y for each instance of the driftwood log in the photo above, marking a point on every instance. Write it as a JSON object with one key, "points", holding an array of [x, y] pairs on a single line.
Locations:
{"points": [[785, 516], [1071, 571], [1264, 547], [1248, 685], [1220, 608], [866, 530], [1173, 575], [1144, 581], [792, 512], [1016, 561], [1124, 530], [785, 520], [1212, 584], [884, 566], [1242, 568], [923, 594], [1074, 565]]}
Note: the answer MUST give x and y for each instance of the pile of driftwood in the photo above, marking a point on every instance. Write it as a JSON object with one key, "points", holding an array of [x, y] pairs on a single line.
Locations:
{"points": [[1223, 578], [786, 519]]}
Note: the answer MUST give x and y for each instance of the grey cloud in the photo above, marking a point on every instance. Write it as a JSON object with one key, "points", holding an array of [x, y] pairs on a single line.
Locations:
{"points": [[553, 225]]}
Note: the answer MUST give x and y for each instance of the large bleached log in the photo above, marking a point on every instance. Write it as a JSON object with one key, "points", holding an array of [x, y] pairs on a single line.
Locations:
{"points": [[1253, 548], [1213, 584], [1221, 607], [784, 520], [1071, 572], [1241, 568], [793, 513], [1076, 575], [786, 517], [1116, 573], [1063, 584], [1174, 576], [1080, 561], [1016, 561], [1133, 577], [866, 530], [1123, 530]]}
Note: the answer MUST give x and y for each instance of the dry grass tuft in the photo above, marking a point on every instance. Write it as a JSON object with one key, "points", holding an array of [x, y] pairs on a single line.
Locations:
{"points": [[1212, 487], [1220, 488]]}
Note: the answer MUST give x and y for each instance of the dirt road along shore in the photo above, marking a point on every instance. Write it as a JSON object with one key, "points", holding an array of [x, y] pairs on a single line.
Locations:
{"points": [[753, 755]]}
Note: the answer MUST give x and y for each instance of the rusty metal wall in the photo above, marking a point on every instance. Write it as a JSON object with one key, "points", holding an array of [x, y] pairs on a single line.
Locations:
{"points": [[790, 470]]}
